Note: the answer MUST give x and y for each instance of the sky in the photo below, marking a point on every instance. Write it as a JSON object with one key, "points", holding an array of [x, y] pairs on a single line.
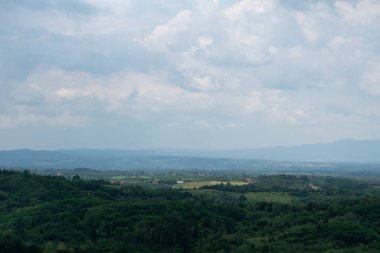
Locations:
{"points": [[206, 74]]}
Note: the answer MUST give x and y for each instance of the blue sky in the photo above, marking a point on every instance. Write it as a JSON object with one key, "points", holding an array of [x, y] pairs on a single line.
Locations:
{"points": [[187, 74]]}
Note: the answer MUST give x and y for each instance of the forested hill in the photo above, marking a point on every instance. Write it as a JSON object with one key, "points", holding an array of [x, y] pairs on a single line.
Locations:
{"points": [[274, 214]]}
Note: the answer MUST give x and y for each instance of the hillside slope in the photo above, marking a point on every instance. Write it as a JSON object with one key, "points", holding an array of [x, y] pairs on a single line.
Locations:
{"points": [[275, 214]]}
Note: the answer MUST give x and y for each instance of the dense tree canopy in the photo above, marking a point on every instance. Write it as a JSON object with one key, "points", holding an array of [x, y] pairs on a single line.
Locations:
{"points": [[297, 214]]}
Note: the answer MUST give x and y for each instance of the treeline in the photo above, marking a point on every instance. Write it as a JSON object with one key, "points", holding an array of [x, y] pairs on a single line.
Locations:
{"points": [[299, 184], [53, 214]]}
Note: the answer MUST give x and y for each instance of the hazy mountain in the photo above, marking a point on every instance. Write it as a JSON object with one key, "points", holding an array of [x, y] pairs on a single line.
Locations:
{"points": [[341, 151]]}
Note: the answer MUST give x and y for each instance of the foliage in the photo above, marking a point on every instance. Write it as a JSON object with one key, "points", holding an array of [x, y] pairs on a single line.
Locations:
{"points": [[279, 213]]}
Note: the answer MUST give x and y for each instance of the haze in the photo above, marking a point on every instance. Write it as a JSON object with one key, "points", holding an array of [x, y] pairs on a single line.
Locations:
{"points": [[187, 74]]}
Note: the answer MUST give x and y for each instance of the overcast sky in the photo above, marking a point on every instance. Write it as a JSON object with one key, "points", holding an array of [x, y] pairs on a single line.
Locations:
{"points": [[187, 74]]}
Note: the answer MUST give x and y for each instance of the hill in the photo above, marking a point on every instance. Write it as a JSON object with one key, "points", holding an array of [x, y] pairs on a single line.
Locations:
{"points": [[279, 213], [345, 151]]}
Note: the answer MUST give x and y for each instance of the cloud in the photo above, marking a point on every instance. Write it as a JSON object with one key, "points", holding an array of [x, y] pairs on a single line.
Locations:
{"points": [[115, 6], [237, 10], [63, 94], [30, 120], [363, 11], [371, 80], [205, 41], [308, 26], [69, 6], [165, 35], [203, 83], [120, 91], [265, 70]]}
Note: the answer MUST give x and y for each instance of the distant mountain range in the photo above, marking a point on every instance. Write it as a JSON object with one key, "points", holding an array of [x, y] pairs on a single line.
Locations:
{"points": [[343, 151]]}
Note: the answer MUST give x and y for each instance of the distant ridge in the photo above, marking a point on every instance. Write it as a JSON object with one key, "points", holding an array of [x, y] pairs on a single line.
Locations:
{"points": [[347, 150], [343, 151]]}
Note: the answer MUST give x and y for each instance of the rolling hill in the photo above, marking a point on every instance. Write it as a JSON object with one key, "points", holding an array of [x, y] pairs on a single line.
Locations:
{"points": [[344, 151]]}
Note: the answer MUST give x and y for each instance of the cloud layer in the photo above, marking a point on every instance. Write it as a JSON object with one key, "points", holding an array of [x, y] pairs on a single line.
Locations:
{"points": [[192, 74]]}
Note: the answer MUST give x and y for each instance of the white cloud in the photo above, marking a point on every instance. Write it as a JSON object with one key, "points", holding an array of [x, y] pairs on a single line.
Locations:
{"points": [[24, 118], [205, 41], [363, 11], [115, 92], [115, 6], [309, 27], [251, 64], [207, 7], [337, 42], [239, 9], [253, 102], [165, 35], [283, 109], [129, 93], [203, 83], [371, 80]]}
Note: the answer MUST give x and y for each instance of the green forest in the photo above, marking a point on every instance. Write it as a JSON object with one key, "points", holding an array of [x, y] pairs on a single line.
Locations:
{"points": [[273, 213]]}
